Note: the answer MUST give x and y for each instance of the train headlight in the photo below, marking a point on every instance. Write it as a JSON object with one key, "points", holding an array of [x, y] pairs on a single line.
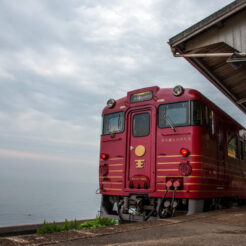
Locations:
{"points": [[178, 90], [185, 169], [110, 103]]}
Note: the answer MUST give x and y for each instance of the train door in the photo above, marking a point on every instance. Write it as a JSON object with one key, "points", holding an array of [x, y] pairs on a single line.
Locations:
{"points": [[140, 168]]}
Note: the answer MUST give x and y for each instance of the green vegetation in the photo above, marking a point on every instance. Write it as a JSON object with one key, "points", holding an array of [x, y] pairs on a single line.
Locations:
{"points": [[98, 222], [74, 225], [48, 228]]}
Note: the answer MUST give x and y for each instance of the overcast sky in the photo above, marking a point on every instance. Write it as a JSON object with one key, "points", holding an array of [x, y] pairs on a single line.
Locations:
{"points": [[60, 60]]}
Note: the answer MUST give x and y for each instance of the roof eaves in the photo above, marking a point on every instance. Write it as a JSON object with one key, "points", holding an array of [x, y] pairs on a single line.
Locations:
{"points": [[211, 20]]}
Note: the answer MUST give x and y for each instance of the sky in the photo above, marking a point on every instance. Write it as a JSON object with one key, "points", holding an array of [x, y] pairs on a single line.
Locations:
{"points": [[61, 60]]}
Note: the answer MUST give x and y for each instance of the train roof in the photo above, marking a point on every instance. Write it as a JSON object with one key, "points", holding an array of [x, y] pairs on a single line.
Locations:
{"points": [[165, 95]]}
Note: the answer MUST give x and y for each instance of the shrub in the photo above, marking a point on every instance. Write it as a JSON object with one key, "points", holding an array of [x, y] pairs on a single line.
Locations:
{"points": [[98, 222], [74, 225], [70, 225], [48, 228]]}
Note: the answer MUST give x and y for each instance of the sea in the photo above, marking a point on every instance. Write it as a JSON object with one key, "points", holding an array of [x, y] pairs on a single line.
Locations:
{"points": [[32, 201]]}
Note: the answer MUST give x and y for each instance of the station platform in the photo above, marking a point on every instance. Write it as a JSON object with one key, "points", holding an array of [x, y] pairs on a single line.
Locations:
{"points": [[221, 227]]}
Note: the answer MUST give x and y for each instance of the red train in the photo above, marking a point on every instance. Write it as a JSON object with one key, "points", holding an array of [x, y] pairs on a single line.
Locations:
{"points": [[168, 149]]}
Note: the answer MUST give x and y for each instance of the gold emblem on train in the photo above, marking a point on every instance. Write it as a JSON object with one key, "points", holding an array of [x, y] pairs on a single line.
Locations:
{"points": [[140, 150], [139, 163]]}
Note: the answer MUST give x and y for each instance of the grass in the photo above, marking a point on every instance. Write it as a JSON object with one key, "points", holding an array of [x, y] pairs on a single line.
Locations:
{"points": [[74, 225], [98, 222]]}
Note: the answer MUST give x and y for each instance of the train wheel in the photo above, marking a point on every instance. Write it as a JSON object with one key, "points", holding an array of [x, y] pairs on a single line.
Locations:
{"points": [[164, 213]]}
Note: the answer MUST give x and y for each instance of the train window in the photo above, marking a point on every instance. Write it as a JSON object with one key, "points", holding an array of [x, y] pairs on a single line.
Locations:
{"points": [[196, 115], [241, 150], [232, 146], [206, 116], [220, 136], [244, 152], [211, 122], [141, 125], [176, 114], [209, 119], [113, 123]]}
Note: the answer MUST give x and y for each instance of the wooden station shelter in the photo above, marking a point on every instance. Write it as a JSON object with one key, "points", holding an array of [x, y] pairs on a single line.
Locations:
{"points": [[216, 46]]}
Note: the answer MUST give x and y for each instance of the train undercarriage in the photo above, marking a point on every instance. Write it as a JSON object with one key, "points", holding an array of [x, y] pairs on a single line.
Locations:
{"points": [[142, 208]]}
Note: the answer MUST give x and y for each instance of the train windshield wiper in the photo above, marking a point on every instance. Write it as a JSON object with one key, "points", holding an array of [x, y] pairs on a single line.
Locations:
{"points": [[167, 118]]}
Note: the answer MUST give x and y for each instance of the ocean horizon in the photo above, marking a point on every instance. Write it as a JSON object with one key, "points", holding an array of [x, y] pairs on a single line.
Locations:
{"points": [[34, 201]]}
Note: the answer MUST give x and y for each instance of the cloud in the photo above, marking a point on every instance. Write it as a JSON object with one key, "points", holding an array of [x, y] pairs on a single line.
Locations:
{"points": [[61, 60], [5, 75]]}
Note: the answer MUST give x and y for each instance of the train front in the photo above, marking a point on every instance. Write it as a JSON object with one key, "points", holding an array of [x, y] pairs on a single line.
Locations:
{"points": [[147, 143]]}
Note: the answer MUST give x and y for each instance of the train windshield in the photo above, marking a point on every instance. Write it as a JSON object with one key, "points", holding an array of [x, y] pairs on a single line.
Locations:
{"points": [[180, 114], [196, 113], [176, 114], [113, 123]]}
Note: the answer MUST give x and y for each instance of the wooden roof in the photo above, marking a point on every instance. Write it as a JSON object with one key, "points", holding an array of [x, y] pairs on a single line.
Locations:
{"points": [[216, 46]]}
